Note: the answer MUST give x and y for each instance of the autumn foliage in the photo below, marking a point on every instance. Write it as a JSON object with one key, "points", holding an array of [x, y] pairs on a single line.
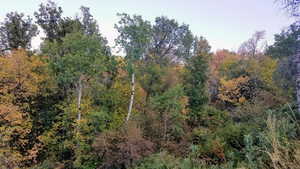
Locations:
{"points": [[168, 102]]}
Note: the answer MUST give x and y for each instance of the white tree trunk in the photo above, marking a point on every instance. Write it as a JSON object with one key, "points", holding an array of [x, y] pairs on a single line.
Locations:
{"points": [[79, 91], [131, 97]]}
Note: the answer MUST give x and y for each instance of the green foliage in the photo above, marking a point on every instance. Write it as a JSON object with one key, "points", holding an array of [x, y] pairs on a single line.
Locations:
{"points": [[49, 18], [271, 148], [65, 108], [78, 55], [169, 106], [285, 43], [284, 49], [233, 137], [171, 41], [169, 101], [159, 161], [218, 145], [134, 37], [164, 160], [233, 68], [89, 26], [210, 117], [113, 100], [65, 145], [16, 31], [284, 76], [196, 78], [151, 78]]}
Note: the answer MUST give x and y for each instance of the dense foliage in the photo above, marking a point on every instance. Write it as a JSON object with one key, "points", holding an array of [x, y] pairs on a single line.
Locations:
{"points": [[170, 102]]}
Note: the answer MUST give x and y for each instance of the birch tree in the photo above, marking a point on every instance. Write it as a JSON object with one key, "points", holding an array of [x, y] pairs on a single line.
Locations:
{"points": [[134, 39], [82, 60]]}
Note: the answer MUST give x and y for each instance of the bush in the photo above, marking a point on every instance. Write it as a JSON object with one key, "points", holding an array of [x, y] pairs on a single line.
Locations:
{"points": [[272, 148], [164, 160], [121, 149], [209, 117], [161, 160], [222, 144]]}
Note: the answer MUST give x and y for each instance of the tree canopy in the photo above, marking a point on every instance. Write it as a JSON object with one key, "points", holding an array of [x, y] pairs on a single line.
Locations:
{"points": [[165, 99]]}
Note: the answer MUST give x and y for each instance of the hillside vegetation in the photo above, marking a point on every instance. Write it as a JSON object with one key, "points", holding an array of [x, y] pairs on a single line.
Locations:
{"points": [[167, 102]]}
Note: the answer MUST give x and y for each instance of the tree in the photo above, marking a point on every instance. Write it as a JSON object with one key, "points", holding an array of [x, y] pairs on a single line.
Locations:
{"points": [[233, 91], [82, 60], [21, 79], [90, 27], [286, 43], [170, 105], [16, 31], [171, 42], [151, 77], [196, 77], [68, 25], [284, 50], [219, 58], [251, 47], [49, 18], [292, 6], [134, 38]]}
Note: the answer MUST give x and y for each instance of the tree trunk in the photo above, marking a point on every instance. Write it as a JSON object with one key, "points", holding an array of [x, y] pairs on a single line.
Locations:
{"points": [[131, 97], [79, 91], [297, 77]]}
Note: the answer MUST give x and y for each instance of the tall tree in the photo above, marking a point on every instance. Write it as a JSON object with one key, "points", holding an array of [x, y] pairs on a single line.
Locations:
{"points": [[91, 27], [82, 60], [134, 38], [69, 25], [16, 31], [49, 18], [286, 43], [284, 50], [170, 106], [196, 78], [171, 42], [251, 48], [292, 6], [21, 80]]}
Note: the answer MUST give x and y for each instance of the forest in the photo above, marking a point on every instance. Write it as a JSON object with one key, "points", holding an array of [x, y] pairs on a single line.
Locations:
{"points": [[166, 101]]}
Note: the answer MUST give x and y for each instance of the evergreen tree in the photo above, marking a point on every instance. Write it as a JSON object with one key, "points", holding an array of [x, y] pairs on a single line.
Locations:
{"points": [[196, 77]]}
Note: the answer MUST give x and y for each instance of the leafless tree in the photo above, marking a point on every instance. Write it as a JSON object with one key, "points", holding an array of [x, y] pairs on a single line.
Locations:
{"points": [[252, 47]]}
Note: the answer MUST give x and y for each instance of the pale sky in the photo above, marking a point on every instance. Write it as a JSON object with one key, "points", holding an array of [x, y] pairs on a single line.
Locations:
{"points": [[224, 23]]}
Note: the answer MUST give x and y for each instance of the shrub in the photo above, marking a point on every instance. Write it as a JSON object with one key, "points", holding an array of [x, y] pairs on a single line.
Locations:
{"points": [[164, 160], [121, 149], [272, 148]]}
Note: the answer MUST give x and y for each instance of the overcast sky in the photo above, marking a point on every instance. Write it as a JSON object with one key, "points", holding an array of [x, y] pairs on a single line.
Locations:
{"points": [[225, 23]]}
